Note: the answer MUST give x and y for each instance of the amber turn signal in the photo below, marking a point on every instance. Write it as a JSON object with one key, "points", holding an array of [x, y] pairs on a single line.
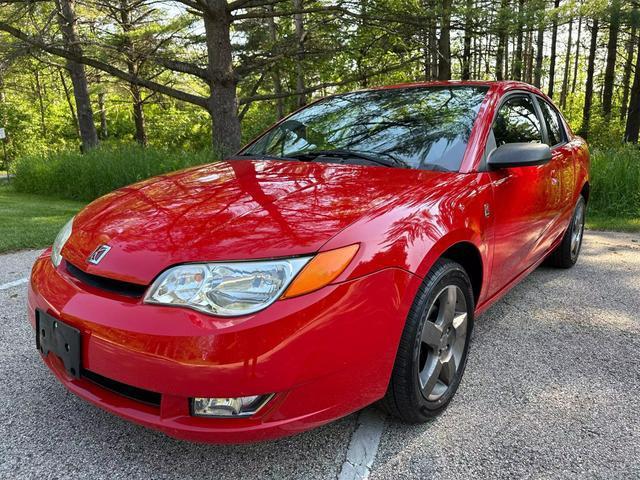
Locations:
{"points": [[323, 269]]}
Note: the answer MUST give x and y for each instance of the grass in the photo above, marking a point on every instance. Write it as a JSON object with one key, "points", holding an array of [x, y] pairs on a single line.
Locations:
{"points": [[616, 224], [614, 201], [74, 176], [31, 221], [615, 183]]}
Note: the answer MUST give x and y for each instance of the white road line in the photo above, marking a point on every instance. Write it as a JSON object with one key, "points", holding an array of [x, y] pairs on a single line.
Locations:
{"points": [[15, 283], [363, 446]]}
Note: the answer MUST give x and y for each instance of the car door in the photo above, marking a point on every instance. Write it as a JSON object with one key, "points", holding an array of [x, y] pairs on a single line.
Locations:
{"points": [[562, 158], [525, 199]]}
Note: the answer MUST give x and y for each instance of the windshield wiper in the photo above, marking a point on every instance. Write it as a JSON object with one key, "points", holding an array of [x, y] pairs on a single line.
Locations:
{"points": [[434, 166], [259, 156], [343, 153]]}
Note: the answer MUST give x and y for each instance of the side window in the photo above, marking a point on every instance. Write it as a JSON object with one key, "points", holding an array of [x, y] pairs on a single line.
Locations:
{"points": [[554, 128], [517, 121]]}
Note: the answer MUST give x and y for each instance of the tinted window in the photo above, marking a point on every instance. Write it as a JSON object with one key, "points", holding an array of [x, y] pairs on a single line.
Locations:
{"points": [[517, 122], [551, 120], [423, 127]]}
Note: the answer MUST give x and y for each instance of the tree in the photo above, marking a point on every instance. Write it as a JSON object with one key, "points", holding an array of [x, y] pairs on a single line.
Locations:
{"points": [[503, 39], [468, 34], [588, 94], [537, 77], [68, 20], [518, 59], [567, 61], [633, 117], [631, 44], [612, 55], [554, 41]]}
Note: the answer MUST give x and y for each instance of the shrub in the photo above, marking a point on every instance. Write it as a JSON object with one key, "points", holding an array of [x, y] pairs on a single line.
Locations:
{"points": [[615, 182], [75, 176]]}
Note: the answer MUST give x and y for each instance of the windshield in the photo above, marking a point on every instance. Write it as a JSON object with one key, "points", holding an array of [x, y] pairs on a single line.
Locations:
{"points": [[415, 127]]}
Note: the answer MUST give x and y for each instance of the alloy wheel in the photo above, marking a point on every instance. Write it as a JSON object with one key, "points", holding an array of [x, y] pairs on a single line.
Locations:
{"points": [[577, 229], [442, 343]]}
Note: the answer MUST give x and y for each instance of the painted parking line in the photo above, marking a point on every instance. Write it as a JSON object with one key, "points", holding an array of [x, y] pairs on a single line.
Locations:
{"points": [[15, 283], [363, 446]]}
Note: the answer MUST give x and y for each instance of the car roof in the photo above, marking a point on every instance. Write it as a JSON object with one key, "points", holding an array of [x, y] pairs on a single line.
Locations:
{"points": [[497, 84]]}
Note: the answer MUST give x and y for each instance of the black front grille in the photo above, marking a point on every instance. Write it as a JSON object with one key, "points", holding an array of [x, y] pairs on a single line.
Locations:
{"points": [[115, 286], [134, 393]]}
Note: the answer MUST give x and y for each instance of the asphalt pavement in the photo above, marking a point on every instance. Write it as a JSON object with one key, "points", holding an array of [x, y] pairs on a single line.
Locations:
{"points": [[552, 390]]}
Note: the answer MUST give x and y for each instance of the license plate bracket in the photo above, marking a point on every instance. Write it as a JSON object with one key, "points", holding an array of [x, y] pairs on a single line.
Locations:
{"points": [[55, 336]]}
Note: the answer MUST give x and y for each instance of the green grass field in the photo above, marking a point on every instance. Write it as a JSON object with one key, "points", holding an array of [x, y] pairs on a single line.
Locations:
{"points": [[31, 221]]}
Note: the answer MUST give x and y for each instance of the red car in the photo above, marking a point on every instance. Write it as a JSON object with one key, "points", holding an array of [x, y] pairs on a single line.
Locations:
{"points": [[338, 260]]}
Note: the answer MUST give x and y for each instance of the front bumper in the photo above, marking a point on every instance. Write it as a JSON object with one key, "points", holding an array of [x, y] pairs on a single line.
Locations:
{"points": [[323, 355]]}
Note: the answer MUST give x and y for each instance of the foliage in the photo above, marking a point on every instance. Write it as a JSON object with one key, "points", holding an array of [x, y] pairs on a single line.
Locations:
{"points": [[74, 176], [615, 182], [31, 221]]}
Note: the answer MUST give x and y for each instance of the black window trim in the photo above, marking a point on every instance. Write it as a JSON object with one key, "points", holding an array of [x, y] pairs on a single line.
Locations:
{"points": [[513, 93], [563, 130]]}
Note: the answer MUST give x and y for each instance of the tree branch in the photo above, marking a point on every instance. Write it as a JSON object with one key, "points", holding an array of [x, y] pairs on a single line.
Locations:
{"points": [[315, 88], [105, 67], [182, 67]]}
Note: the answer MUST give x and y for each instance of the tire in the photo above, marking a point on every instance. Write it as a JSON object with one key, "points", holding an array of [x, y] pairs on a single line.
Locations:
{"points": [[566, 254], [432, 353]]}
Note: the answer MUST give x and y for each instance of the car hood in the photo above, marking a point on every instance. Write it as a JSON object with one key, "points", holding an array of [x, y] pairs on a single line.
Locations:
{"points": [[235, 210]]}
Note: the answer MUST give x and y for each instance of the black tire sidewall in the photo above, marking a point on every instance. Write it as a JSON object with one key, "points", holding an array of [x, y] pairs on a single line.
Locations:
{"points": [[449, 273]]}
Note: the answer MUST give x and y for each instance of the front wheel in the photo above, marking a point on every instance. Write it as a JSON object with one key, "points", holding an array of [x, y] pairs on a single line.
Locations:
{"points": [[566, 254], [433, 348]]}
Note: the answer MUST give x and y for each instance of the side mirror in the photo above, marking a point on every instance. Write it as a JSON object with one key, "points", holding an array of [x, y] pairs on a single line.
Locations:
{"points": [[512, 155]]}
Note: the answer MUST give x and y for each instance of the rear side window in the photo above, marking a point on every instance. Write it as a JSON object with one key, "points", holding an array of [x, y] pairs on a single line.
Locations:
{"points": [[551, 120], [517, 121]]}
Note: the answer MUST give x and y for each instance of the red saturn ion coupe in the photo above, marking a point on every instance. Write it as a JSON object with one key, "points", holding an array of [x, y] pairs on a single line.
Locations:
{"points": [[337, 260]]}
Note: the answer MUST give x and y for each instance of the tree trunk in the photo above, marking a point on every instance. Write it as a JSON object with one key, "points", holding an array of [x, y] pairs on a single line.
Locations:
{"points": [[104, 132], [222, 102], [67, 19], [38, 89], [528, 76], [610, 69], [275, 71], [567, 63], [426, 54], [132, 69], [298, 20], [433, 45], [588, 94], [505, 69], [626, 80], [502, 40], [444, 43], [633, 117], [518, 59], [575, 63], [554, 38], [537, 76], [466, 54], [67, 95], [138, 115], [477, 57]]}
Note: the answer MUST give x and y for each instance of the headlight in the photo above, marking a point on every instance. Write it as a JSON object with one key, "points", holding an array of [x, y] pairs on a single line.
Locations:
{"points": [[58, 243], [226, 289]]}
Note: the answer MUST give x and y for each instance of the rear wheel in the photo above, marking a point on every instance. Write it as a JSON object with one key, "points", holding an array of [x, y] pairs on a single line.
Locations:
{"points": [[566, 254], [432, 354]]}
